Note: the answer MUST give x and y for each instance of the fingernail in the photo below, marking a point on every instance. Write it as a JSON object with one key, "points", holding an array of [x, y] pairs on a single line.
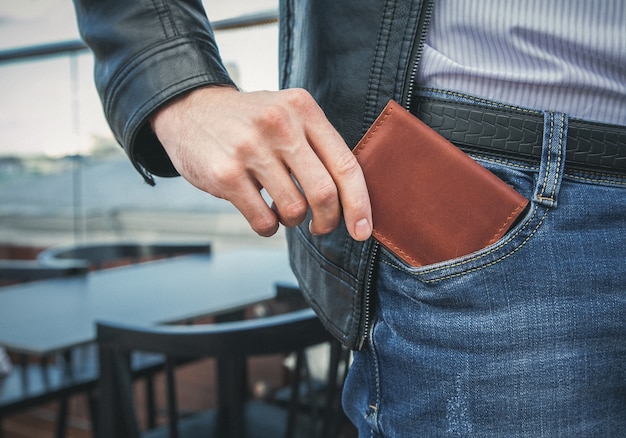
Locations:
{"points": [[311, 228], [363, 229]]}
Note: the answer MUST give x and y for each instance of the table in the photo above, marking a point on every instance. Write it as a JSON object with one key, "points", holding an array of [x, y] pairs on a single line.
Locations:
{"points": [[51, 316]]}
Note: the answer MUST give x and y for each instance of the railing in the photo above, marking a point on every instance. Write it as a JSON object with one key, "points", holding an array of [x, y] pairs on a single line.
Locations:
{"points": [[66, 47], [76, 49]]}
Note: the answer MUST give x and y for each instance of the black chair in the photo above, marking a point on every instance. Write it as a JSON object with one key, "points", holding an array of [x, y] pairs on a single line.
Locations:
{"points": [[231, 343], [31, 382], [103, 255]]}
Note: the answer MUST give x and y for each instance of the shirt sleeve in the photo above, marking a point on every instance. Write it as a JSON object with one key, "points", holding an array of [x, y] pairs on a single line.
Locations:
{"points": [[146, 53]]}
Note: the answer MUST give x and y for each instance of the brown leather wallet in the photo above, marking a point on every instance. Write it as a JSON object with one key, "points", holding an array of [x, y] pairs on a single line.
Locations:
{"points": [[430, 201]]}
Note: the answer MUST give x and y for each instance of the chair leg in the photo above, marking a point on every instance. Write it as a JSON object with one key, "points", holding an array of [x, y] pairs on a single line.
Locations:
{"points": [[61, 426], [172, 408], [116, 417], [150, 402], [294, 403], [231, 387], [92, 402], [333, 395], [62, 417]]}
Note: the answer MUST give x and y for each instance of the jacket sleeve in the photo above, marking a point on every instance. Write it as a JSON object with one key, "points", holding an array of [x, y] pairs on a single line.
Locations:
{"points": [[147, 52]]}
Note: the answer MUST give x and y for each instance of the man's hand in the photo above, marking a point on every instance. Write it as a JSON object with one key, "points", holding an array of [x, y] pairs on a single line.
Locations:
{"points": [[232, 144]]}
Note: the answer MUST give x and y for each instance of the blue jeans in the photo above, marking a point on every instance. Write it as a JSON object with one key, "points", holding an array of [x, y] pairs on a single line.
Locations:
{"points": [[526, 338]]}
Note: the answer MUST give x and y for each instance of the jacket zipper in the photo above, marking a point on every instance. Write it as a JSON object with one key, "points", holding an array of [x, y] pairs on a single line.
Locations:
{"points": [[416, 52], [407, 96], [367, 295]]}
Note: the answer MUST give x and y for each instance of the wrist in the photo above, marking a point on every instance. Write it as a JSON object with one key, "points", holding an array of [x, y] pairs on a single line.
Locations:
{"points": [[183, 101]]}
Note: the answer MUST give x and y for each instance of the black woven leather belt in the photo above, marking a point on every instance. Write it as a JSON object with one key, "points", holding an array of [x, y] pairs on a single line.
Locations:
{"points": [[518, 134]]}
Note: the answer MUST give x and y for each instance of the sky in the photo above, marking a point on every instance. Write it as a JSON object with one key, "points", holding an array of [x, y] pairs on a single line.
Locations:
{"points": [[42, 111]]}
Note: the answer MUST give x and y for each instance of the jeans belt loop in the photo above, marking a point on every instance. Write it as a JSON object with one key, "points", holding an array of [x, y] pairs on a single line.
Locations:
{"points": [[552, 164]]}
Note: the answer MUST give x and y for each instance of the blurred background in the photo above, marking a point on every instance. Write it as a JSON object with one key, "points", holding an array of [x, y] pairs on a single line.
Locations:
{"points": [[63, 178]]}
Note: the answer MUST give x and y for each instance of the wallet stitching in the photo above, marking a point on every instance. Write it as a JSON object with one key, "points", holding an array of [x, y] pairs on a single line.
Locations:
{"points": [[506, 224], [378, 123], [373, 131], [407, 257], [478, 268], [502, 244]]}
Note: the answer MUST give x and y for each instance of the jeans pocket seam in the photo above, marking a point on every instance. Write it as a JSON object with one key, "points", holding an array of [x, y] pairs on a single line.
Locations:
{"points": [[422, 272], [497, 246]]}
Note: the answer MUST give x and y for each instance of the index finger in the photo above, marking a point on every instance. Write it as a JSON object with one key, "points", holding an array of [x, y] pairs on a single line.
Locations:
{"points": [[346, 173]]}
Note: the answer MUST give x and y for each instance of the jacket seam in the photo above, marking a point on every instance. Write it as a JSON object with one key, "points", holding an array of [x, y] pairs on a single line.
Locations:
{"points": [[384, 32], [164, 13], [130, 66], [287, 44], [324, 263]]}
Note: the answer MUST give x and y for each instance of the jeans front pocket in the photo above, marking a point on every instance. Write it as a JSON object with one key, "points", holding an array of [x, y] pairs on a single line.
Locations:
{"points": [[521, 178]]}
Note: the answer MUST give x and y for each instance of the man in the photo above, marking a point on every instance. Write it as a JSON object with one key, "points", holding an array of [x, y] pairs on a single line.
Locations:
{"points": [[522, 338]]}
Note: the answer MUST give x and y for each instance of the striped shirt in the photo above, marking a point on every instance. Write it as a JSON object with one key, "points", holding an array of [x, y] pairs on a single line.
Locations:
{"points": [[560, 55]]}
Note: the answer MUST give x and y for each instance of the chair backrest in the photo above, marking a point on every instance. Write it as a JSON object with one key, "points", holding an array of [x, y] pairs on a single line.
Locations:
{"points": [[274, 334], [20, 271], [101, 255], [290, 332]]}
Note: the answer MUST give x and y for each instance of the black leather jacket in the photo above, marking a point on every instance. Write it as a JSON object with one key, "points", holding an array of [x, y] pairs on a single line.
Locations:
{"points": [[351, 55]]}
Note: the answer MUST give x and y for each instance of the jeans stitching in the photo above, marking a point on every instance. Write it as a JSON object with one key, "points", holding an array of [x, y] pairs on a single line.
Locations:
{"points": [[600, 178], [478, 268], [608, 181], [547, 172], [494, 249], [559, 160], [375, 408]]}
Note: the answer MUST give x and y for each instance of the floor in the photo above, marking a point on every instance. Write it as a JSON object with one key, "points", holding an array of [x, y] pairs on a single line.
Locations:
{"points": [[197, 392]]}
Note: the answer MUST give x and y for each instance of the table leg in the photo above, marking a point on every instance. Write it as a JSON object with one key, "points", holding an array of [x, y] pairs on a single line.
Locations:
{"points": [[232, 388]]}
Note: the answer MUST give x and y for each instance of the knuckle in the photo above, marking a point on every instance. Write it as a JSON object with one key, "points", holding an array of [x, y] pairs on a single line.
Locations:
{"points": [[244, 143], [274, 114], [346, 164], [325, 228], [226, 174], [302, 100], [274, 118], [264, 225], [325, 194], [224, 180], [294, 212], [299, 96], [360, 204]]}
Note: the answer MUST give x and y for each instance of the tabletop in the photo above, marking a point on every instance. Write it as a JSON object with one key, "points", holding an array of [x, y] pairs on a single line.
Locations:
{"points": [[48, 316]]}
